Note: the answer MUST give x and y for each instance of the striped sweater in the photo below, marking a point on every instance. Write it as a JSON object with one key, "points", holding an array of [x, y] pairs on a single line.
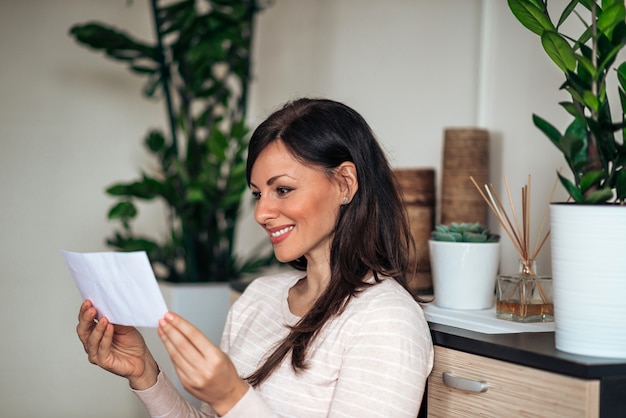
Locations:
{"points": [[370, 361]]}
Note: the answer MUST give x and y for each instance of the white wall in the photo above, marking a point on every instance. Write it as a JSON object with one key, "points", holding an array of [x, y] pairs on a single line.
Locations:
{"points": [[71, 122]]}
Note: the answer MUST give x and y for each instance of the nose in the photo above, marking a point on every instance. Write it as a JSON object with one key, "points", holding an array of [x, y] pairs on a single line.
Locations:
{"points": [[265, 210]]}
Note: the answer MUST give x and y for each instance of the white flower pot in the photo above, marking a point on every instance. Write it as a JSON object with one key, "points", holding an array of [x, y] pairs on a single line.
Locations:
{"points": [[464, 274], [588, 245], [205, 305]]}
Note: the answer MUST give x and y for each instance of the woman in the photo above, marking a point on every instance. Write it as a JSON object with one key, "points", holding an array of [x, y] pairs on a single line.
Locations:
{"points": [[340, 335]]}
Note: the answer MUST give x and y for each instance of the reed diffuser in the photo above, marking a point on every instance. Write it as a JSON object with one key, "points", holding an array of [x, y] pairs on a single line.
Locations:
{"points": [[526, 296]]}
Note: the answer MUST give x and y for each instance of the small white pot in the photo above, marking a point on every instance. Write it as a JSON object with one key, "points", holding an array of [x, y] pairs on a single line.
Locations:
{"points": [[464, 274], [588, 245]]}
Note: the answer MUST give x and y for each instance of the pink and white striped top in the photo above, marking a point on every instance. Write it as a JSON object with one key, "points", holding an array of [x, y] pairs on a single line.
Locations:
{"points": [[370, 361]]}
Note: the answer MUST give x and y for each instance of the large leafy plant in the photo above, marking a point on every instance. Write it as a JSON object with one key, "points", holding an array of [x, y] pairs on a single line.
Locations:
{"points": [[593, 143], [199, 65]]}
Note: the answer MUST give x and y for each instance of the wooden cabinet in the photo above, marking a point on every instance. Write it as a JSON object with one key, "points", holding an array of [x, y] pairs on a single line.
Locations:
{"points": [[480, 386], [522, 375]]}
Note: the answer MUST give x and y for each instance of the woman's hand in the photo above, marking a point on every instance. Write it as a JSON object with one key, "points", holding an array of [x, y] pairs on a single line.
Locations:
{"points": [[116, 348], [203, 369]]}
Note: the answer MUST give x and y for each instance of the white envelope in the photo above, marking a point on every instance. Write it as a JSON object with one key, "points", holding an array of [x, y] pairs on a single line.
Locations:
{"points": [[122, 286]]}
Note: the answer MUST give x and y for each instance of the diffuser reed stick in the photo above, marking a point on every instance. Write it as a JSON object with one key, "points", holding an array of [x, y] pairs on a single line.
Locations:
{"points": [[518, 229]]}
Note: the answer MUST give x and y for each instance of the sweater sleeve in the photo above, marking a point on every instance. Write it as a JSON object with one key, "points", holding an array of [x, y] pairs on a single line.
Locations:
{"points": [[386, 364], [163, 401]]}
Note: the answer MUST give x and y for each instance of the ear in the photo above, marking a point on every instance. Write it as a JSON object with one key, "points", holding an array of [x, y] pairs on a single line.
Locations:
{"points": [[347, 178]]}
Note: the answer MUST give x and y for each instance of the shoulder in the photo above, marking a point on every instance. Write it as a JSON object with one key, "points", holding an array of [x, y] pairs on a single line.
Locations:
{"points": [[388, 308], [386, 294]]}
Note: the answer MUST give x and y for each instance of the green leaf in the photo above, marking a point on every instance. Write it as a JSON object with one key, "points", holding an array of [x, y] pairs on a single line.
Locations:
{"points": [[587, 66], [123, 210], [155, 141], [239, 129], [133, 244], [473, 237], [531, 15], [590, 179], [610, 17], [559, 50], [567, 12], [572, 109], [575, 95], [194, 195], [116, 44], [218, 144], [591, 101], [142, 69], [571, 189], [118, 189], [599, 196], [550, 131]]}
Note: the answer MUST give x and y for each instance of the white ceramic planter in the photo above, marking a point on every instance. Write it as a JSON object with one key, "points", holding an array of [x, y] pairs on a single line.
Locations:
{"points": [[588, 245], [464, 274], [205, 305]]}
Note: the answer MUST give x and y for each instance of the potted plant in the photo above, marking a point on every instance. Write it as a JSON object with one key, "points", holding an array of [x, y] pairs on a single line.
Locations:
{"points": [[199, 64], [464, 261], [588, 234]]}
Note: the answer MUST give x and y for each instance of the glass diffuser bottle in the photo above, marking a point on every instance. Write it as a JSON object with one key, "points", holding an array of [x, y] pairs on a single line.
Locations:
{"points": [[525, 296]]}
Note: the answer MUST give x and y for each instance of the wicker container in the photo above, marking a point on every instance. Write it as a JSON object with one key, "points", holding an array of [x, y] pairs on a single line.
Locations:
{"points": [[465, 154], [418, 191]]}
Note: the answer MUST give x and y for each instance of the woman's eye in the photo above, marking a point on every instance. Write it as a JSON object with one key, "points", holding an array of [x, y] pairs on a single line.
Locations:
{"points": [[256, 195], [281, 191]]}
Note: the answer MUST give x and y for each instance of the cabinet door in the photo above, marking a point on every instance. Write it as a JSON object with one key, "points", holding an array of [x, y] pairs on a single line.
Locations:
{"points": [[479, 386]]}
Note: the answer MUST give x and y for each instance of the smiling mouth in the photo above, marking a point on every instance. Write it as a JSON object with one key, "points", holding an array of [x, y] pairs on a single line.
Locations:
{"points": [[280, 232]]}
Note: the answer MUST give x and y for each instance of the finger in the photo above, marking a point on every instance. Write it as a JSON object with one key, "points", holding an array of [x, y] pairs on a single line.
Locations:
{"points": [[192, 368], [104, 348], [86, 317], [189, 331], [92, 344], [83, 307], [181, 350]]}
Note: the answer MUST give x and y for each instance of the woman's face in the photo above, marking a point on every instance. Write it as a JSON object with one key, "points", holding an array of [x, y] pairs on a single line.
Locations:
{"points": [[296, 204]]}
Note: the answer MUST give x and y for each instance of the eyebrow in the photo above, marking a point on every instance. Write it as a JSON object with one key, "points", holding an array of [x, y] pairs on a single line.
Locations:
{"points": [[272, 180]]}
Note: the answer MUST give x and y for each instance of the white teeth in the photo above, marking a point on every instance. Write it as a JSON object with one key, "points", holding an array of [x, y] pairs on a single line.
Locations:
{"points": [[282, 231]]}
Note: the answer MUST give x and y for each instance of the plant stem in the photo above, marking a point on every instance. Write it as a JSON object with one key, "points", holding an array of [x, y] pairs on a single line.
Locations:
{"points": [[165, 75], [592, 146]]}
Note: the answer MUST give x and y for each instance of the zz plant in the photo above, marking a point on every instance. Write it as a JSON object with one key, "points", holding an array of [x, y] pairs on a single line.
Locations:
{"points": [[200, 65], [463, 232], [593, 143]]}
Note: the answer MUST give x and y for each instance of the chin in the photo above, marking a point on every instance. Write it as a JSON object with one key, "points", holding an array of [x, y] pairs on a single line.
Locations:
{"points": [[285, 258]]}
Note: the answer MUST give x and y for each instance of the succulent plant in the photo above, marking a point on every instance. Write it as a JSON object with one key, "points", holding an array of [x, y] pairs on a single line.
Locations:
{"points": [[463, 232]]}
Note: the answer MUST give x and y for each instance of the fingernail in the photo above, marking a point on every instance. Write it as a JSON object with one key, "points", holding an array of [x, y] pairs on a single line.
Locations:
{"points": [[169, 316]]}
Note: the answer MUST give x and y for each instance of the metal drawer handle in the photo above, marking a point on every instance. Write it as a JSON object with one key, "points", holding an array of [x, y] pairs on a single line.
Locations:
{"points": [[464, 384]]}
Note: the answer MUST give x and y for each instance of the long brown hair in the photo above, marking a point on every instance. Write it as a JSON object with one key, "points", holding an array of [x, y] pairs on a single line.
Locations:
{"points": [[372, 234]]}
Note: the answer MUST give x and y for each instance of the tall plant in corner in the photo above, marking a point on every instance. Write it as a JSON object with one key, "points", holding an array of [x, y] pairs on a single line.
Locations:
{"points": [[588, 237], [593, 143], [199, 64]]}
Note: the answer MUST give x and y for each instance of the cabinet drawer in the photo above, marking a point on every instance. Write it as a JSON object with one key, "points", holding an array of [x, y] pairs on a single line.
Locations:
{"points": [[510, 390]]}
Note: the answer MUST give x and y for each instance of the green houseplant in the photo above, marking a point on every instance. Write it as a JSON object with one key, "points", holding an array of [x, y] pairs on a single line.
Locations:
{"points": [[588, 235], [594, 153], [199, 64], [464, 260]]}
